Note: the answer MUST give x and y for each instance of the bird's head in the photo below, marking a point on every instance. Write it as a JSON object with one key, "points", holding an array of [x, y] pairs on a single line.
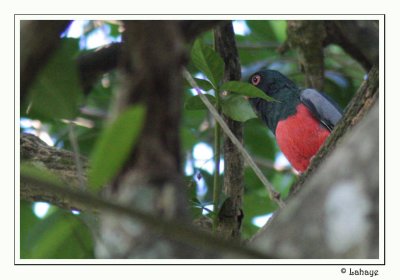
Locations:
{"points": [[277, 86], [271, 82]]}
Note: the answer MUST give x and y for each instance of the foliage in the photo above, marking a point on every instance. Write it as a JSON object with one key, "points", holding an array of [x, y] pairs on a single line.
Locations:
{"points": [[114, 144], [57, 95], [56, 92], [59, 235]]}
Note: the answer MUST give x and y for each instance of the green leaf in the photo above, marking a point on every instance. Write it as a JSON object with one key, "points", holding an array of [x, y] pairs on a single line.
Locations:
{"points": [[195, 102], [259, 140], [237, 108], [204, 84], [56, 92], [246, 89], [188, 138], [59, 236], [282, 182], [262, 30], [208, 61], [256, 204], [39, 172], [279, 27], [28, 220], [114, 146]]}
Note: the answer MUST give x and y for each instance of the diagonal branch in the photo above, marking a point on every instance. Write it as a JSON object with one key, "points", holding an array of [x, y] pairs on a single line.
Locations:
{"points": [[359, 38]]}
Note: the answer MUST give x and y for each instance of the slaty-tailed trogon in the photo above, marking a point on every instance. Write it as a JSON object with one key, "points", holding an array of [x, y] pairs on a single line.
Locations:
{"points": [[301, 120]]}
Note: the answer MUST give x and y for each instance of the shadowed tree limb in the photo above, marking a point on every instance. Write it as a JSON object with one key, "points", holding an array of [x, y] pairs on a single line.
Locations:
{"points": [[94, 64], [165, 227], [39, 40], [359, 38], [105, 59], [193, 28]]}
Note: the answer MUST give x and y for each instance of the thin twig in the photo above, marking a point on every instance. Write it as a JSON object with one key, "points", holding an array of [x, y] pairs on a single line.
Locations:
{"points": [[269, 164], [75, 148], [217, 150], [217, 158], [273, 194]]}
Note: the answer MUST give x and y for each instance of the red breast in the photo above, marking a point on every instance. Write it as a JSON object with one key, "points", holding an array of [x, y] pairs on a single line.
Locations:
{"points": [[300, 136]]}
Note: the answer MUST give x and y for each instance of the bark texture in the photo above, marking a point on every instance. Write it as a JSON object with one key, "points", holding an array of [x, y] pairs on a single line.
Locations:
{"points": [[307, 38], [359, 38], [230, 215], [58, 162]]}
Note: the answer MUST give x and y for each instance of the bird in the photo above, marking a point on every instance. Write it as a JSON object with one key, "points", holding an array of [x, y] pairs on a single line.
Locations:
{"points": [[300, 119]]}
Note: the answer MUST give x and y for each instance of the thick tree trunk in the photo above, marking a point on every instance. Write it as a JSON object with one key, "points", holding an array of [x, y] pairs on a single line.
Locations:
{"points": [[151, 180]]}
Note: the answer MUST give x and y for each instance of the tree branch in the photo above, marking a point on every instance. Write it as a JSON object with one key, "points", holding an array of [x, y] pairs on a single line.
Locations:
{"points": [[336, 215], [193, 28], [61, 163], [94, 64], [359, 38], [67, 194], [168, 228], [150, 74], [363, 100], [230, 215], [307, 38]]}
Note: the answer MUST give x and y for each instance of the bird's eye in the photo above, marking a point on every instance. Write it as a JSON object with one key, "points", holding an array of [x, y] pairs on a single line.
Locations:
{"points": [[256, 79]]}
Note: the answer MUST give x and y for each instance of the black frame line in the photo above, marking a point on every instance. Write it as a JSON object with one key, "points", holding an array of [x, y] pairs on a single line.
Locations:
{"points": [[215, 264]]}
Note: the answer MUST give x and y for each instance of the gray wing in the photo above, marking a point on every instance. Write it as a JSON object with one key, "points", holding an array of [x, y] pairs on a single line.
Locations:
{"points": [[322, 107]]}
